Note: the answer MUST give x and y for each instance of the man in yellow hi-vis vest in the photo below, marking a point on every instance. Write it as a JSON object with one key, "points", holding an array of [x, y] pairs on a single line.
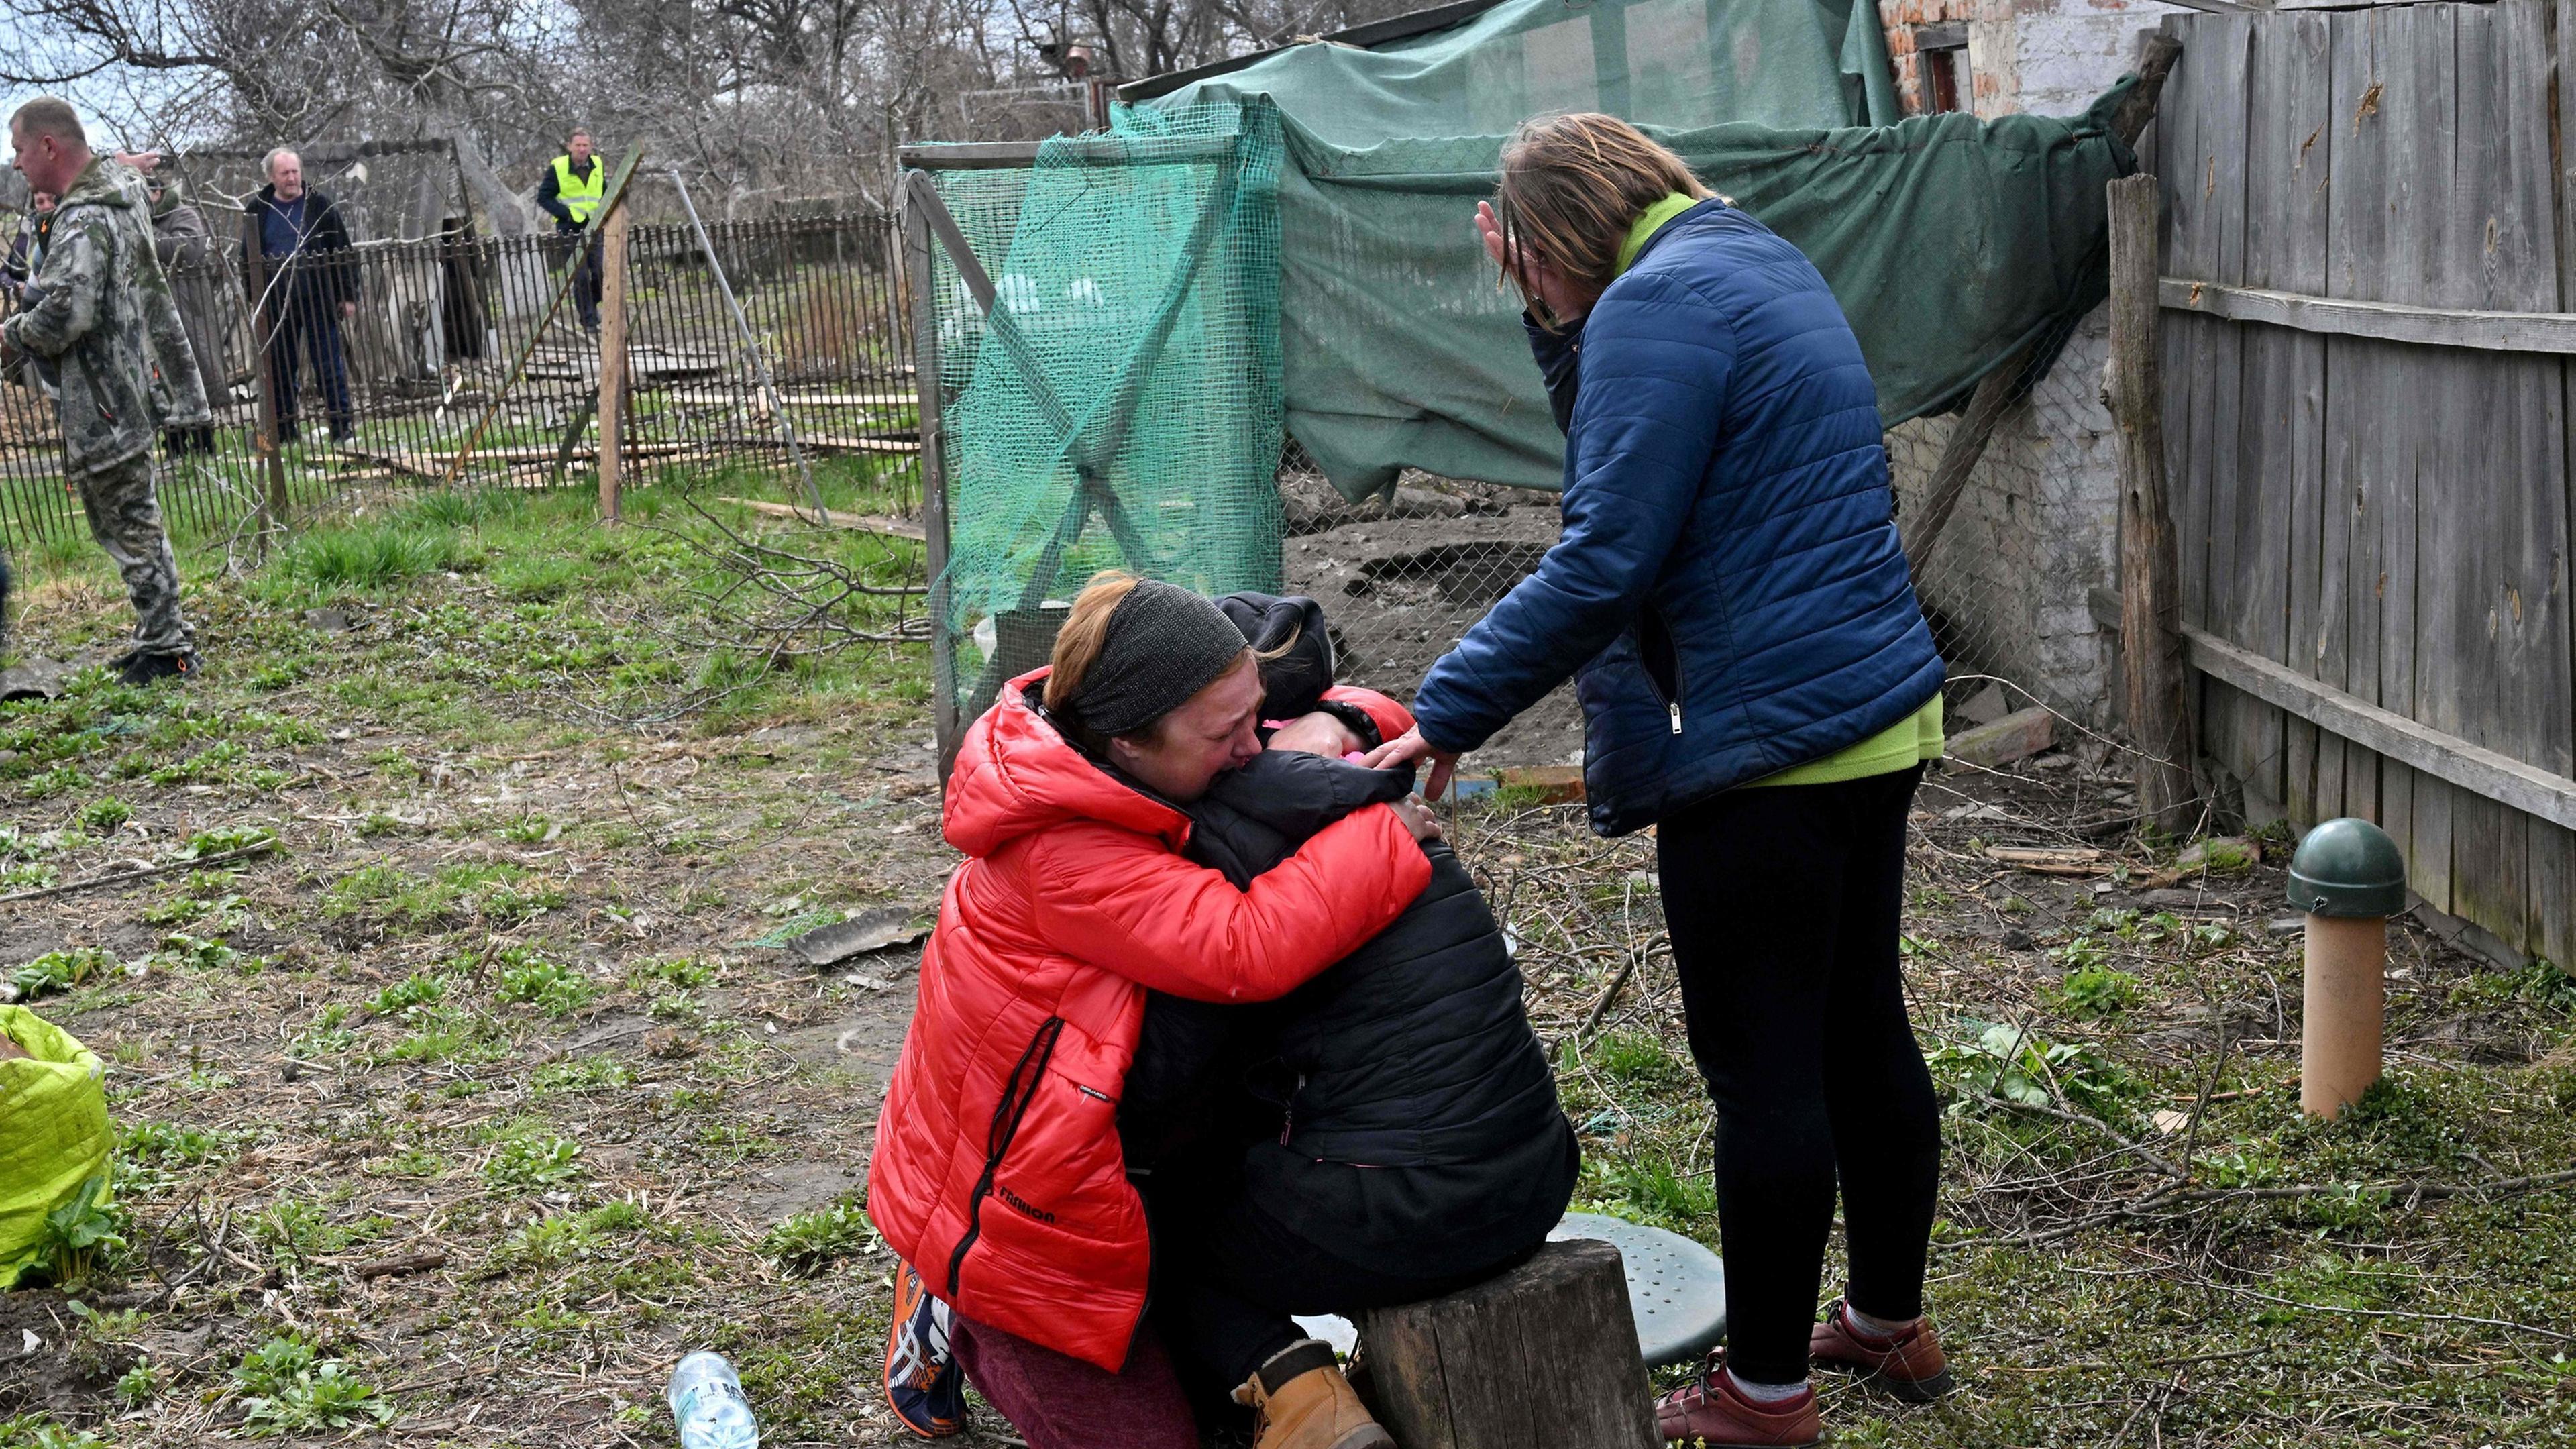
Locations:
{"points": [[569, 193]]}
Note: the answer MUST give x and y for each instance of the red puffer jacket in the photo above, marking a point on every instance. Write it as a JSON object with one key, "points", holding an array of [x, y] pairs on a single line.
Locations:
{"points": [[997, 1171]]}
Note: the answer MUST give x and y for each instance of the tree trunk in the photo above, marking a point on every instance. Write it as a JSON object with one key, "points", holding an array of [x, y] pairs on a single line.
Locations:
{"points": [[1541, 1357]]}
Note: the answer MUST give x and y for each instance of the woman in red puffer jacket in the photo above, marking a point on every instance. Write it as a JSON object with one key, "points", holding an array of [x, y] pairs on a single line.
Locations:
{"points": [[997, 1173]]}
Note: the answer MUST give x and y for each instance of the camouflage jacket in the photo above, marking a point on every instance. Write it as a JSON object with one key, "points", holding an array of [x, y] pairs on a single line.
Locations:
{"points": [[101, 312]]}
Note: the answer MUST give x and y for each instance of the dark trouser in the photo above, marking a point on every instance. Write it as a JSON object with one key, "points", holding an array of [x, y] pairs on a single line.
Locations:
{"points": [[1228, 1274], [1784, 904], [587, 278], [1059, 1402], [310, 320]]}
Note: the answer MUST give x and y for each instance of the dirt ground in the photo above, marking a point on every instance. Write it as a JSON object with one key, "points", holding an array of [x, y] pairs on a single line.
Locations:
{"points": [[460, 1114]]}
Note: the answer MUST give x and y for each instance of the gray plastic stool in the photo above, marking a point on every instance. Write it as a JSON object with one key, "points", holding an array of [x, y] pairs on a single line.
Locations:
{"points": [[1676, 1287]]}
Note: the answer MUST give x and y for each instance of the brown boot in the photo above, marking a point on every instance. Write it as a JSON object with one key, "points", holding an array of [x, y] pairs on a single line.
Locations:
{"points": [[1909, 1365], [1708, 1413], [1300, 1400]]}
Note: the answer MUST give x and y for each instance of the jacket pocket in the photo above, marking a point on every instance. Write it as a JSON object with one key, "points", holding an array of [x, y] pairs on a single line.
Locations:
{"points": [[1019, 1093], [1661, 661]]}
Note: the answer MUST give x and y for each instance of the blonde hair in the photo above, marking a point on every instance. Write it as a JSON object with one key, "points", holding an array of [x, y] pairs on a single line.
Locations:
{"points": [[1572, 188], [1085, 632]]}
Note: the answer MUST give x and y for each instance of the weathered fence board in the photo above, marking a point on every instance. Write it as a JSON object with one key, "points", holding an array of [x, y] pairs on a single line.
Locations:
{"points": [[2368, 422]]}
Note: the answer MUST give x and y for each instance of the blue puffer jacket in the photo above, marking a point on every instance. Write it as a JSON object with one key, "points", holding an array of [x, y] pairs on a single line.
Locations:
{"points": [[1729, 568]]}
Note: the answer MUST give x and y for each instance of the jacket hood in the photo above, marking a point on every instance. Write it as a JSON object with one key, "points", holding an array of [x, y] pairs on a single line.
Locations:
{"points": [[104, 182], [1016, 774]]}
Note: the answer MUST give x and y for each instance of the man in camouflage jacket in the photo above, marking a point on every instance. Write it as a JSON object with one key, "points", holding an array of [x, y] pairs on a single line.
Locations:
{"points": [[101, 319]]}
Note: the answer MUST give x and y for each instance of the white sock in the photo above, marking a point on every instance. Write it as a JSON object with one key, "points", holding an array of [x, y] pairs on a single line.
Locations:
{"points": [[1766, 1393], [1879, 1327]]}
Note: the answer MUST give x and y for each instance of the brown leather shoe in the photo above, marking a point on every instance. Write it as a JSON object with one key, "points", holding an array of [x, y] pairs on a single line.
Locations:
{"points": [[1910, 1365], [1709, 1413], [1300, 1400]]}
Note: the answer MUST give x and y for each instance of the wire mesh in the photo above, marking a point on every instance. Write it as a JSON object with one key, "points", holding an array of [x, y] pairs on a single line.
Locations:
{"points": [[2034, 529], [429, 347], [1113, 385], [2005, 580]]}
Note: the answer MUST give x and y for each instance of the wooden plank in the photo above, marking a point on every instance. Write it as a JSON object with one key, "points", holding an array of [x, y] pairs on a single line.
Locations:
{"points": [[2282, 445], [2357, 406], [861, 522], [2227, 732], [2445, 758], [2415, 109], [2466, 327]]}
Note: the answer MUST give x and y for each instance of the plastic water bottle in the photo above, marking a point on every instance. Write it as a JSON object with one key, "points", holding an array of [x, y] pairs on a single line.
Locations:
{"points": [[706, 1399]]}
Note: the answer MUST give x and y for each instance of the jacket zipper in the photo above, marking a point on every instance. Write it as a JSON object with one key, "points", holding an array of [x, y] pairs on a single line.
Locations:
{"points": [[1671, 697], [1007, 1114]]}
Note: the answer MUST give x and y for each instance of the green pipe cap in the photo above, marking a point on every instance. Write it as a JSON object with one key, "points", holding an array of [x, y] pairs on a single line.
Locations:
{"points": [[2350, 868]]}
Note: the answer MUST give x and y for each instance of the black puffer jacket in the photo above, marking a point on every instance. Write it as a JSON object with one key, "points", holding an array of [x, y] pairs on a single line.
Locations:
{"points": [[1414, 1049]]}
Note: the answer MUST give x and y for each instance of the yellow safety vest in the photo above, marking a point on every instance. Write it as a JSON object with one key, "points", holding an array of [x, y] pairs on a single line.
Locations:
{"points": [[579, 196]]}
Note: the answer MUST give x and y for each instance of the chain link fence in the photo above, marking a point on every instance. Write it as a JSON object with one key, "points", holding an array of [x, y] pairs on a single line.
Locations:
{"points": [[2032, 528], [428, 351]]}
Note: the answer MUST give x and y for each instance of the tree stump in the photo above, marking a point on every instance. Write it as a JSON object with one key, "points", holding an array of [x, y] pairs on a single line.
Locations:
{"points": [[1541, 1357]]}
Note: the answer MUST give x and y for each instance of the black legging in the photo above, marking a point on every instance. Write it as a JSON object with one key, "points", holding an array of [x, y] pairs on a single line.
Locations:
{"points": [[1784, 904]]}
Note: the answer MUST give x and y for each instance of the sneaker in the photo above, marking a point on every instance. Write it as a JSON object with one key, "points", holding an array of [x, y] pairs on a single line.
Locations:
{"points": [[922, 1382], [1709, 1412], [143, 668], [1909, 1365]]}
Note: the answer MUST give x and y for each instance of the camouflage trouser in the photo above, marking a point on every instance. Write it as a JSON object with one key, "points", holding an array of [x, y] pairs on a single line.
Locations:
{"points": [[125, 518]]}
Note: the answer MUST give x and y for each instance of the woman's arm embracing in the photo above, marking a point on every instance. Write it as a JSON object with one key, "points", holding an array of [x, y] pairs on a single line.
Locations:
{"points": [[1124, 903]]}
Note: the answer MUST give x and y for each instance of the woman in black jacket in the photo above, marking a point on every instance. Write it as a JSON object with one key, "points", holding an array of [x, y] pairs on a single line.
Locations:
{"points": [[1396, 1135]]}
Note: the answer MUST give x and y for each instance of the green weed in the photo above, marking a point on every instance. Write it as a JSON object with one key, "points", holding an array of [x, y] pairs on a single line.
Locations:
{"points": [[287, 1389], [554, 989], [809, 1241], [61, 970], [104, 815], [81, 1232], [524, 1164], [2097, 991]]}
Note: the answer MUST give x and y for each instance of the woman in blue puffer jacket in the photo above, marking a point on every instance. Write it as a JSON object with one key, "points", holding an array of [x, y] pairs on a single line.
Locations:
{"points": [[1758, 682]]}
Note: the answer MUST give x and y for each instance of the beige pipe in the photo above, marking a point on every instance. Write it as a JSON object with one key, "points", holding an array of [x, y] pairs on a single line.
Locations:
{"points": [[2345, 1004]]}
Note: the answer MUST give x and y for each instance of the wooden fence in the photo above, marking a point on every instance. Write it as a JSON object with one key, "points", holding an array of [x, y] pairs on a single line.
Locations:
{"points": [[2367, 290]]}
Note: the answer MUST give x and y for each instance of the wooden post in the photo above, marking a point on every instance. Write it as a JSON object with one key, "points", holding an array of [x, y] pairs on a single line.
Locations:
{"points": [[919, 288], [263, 327], [1541, 1357], [612, 357], [2151, 643]]}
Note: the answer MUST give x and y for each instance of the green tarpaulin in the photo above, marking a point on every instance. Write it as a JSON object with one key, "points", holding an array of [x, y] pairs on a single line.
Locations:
{"points": [[1950, 241]]}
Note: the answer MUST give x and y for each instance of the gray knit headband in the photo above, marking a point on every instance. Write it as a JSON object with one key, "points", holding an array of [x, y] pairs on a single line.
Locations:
{"points": [[1163, 644]]}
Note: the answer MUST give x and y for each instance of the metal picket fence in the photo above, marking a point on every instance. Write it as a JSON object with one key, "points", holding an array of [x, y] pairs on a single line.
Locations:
{"points": [[437, 326]]}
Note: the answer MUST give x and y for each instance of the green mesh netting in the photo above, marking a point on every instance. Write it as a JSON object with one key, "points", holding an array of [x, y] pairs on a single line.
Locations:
{"points": [[1949, 241], [1119, 404]]}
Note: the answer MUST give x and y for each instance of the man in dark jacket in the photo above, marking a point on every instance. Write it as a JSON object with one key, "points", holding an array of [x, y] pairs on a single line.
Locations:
{"points": [[302, 246], [1397, 1134], [570, 191]]}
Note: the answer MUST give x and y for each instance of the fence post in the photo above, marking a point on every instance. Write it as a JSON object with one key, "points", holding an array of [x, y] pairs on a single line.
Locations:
{"points": [[612, 357], [2151, 645], [919, 282], [272, 505]]}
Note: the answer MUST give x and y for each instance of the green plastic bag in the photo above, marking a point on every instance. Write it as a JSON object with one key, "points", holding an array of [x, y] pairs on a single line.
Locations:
{"points": [[54, 1134]]}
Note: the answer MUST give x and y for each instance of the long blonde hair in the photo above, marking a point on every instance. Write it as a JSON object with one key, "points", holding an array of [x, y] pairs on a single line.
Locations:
{"points": [[1572, 188]]}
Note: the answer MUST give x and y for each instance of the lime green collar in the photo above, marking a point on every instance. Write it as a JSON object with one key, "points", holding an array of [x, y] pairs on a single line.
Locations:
{"points": [[1652, 222]]}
